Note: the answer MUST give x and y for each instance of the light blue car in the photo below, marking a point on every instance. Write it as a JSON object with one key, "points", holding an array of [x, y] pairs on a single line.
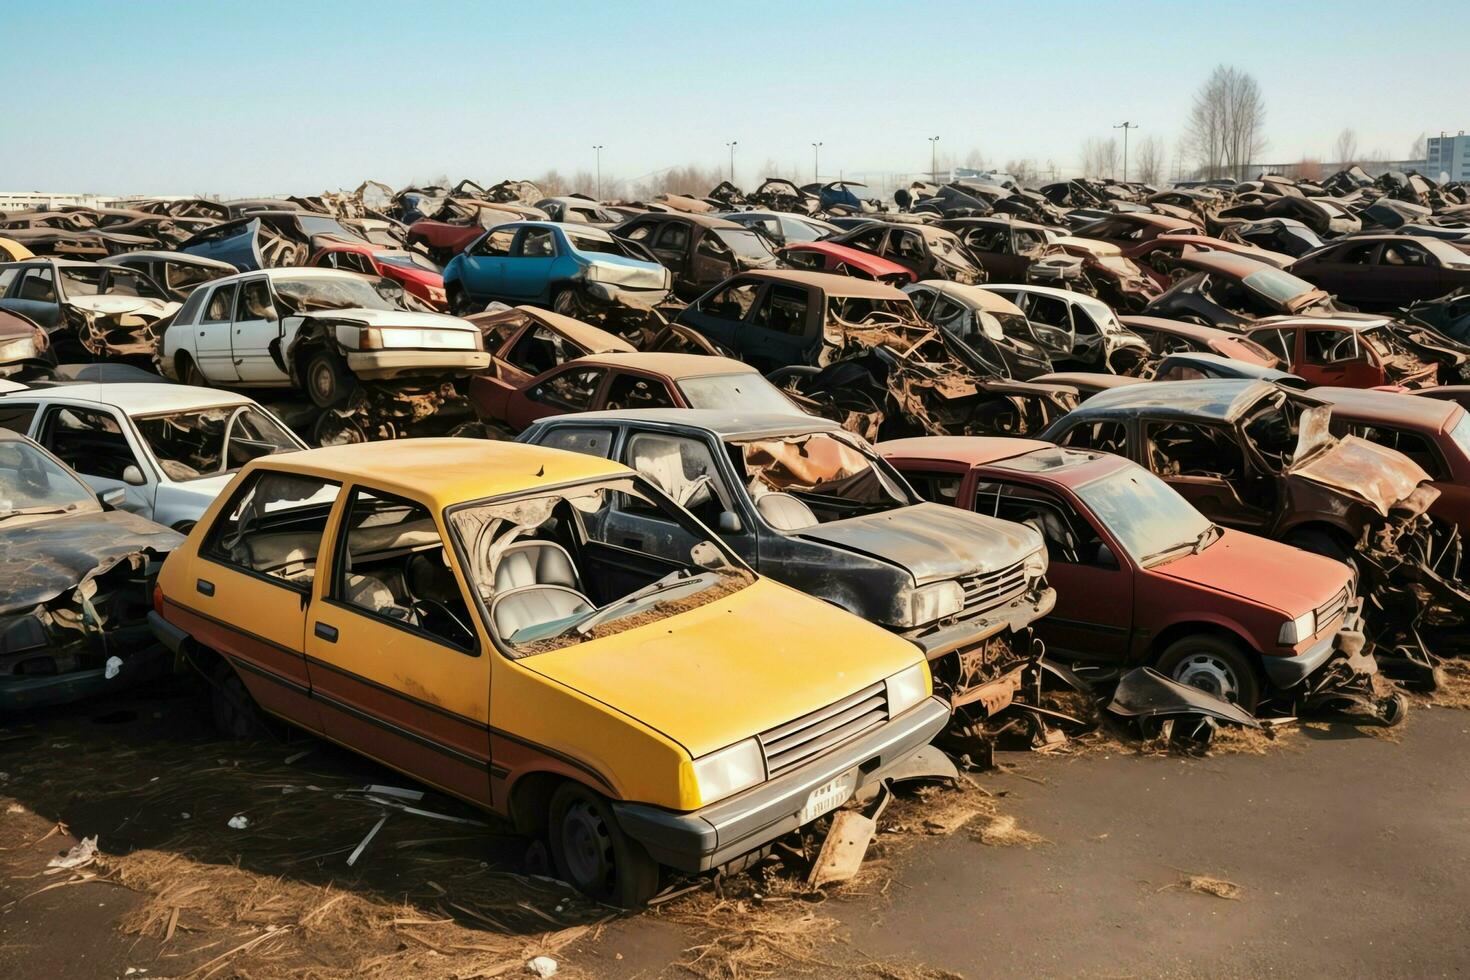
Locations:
{"points": [[571, 269]]}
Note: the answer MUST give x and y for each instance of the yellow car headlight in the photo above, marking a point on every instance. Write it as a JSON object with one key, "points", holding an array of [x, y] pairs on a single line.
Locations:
{"points": [[907, 688], [730, 770]]}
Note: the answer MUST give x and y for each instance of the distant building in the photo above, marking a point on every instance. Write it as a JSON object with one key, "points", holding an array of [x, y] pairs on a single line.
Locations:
{"points": [[40, 200], [1447, 157]]}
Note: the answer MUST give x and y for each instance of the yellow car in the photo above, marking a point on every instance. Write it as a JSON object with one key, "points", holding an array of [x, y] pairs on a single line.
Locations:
{"points": [[451, 608], [13, 251]]}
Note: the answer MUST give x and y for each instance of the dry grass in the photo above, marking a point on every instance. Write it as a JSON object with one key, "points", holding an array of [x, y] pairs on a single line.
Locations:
{"points": [[1002, 831], [1455, 692], [1208, 885]]}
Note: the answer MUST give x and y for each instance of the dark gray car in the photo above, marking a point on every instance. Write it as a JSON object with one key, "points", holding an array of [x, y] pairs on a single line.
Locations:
{"points": [[813, 506]]}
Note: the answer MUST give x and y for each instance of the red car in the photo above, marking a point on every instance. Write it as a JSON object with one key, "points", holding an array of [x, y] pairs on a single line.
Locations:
{"points": [[416, 274], [844, 260], [617, 381], [1432, 432], [1144, 578]]}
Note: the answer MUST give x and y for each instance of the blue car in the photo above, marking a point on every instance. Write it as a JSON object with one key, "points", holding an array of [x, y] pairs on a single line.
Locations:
{"points": [[571, 269]]}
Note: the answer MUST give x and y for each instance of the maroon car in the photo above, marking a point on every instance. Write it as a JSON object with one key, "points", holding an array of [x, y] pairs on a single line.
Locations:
{"points": [[1144, 578]]}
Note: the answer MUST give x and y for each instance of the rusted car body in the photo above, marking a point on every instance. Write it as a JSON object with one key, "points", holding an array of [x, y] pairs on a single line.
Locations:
{"points": [[699, 250], [1005, 247], [860, 350], [1079, 331], [1142, 579], [524, 341], [1165, 336], [626, 380], [458, 222], [25, 347], [1198, 365], [1157, 256], [1361, 351], [1257, 457], [928, 252], [1130, 230], [76, 581], [90, 311], [991, 327], [1099, 269], [1231, 291], [815, 507], [176, 272]]}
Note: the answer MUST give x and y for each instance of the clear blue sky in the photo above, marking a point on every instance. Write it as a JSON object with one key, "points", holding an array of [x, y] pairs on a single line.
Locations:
{"points": [[264, 97]]}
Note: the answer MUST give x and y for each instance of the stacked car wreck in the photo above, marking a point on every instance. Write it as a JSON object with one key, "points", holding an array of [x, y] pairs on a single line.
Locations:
{"points": [[976, 466]]}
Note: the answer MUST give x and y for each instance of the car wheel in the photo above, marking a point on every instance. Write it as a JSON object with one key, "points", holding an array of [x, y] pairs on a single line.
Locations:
{"points": [[328, 381], [231, 706], [1215, 666], [591, 851], [459, 303], [332, 429]]}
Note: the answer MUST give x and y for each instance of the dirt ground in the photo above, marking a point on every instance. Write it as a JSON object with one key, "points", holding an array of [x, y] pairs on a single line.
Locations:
{"points": [[1334, 850]]}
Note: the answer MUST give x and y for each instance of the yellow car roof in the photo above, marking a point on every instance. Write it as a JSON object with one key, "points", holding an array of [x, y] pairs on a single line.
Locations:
{"points": [[13, 251], [445, 472]]}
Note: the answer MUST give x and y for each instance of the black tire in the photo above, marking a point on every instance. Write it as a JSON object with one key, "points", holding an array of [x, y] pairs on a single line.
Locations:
{"points": [[1215, 665], [459, 302], [189, 372], [592, 853], [231, 706], [327, 379]]}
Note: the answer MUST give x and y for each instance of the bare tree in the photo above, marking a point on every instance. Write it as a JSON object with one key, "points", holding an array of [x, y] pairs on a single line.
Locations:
{"points": [[1420, 149], [1345, 150], [1226, 123], [1023, 170], [974, 159], [1308, 169], [1100, 158], [1150, 165], [552, 183]]}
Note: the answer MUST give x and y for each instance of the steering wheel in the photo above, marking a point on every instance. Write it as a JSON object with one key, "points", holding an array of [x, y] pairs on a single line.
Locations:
{"points": [[420, 606]]}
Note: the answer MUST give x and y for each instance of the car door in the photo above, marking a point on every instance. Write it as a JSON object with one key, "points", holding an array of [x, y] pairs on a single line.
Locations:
{"points": [[1349, 271], [720, 315], [96, 442], [686, 468], [1206, 465], [633, 390], [214, 349], [256, 326], [1051, 321], [33, 294], [670, 245], [777, 334], [482, 266], [251, 583], [906, 247], [528, 266], [396, 663], [1329, 356], [1093, 618], [1408, 272], [570, 388]]}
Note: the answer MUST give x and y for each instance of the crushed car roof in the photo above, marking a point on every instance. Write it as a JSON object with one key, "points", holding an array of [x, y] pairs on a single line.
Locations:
{"points": [[669, 364], [1220, 399], [137, 398], [1435, 414], [833, 284], [723, 424], [971, 450]]}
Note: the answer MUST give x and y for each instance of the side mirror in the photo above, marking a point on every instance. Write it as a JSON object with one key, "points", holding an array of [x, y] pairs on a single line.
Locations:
{"points": [[730, 523], [112, 499], [133, 476]]}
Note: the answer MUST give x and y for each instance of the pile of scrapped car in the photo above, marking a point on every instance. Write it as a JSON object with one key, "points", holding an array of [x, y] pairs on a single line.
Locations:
{"points": [[975, 467]]}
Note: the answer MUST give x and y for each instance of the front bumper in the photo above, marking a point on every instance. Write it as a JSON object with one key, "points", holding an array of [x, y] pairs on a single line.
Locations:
{"points": [[721, 832], [1345, 642], [615, 295], [1017, 614], [381, 364]]}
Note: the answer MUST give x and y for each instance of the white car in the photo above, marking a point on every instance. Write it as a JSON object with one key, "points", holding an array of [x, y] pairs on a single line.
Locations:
{"points": [[316, 329], [170, 449]]}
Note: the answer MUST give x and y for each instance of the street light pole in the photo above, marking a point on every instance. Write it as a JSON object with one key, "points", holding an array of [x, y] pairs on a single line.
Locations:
{"points": [[816, 149], [598, 149], [732, 144], [934, 159], [1125, 126]]}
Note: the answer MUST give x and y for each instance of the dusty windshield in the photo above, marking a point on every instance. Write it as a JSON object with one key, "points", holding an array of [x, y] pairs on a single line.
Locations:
{"points": [[1278, 287], [1147, 516], [748, 392], [207, 442], [1460, 434], [548, 574], [344, 292], [830, 474], [31, 482], [88, 282]]}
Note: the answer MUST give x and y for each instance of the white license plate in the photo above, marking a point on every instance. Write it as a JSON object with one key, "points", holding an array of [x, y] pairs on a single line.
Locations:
{"points": [[829, 796]]}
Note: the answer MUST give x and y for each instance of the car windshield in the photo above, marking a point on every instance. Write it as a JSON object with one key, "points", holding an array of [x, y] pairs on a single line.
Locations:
{"points": [[31, 482], [82, 281], [315, 224], [210, 441], [1277, 286], [406, 260], [1448, 255], [1152, 521], [1013, 325], [342, 292], [743, 242], [856, 309], [746, 392], [946, 246], [833, 473], [529, 560]]}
